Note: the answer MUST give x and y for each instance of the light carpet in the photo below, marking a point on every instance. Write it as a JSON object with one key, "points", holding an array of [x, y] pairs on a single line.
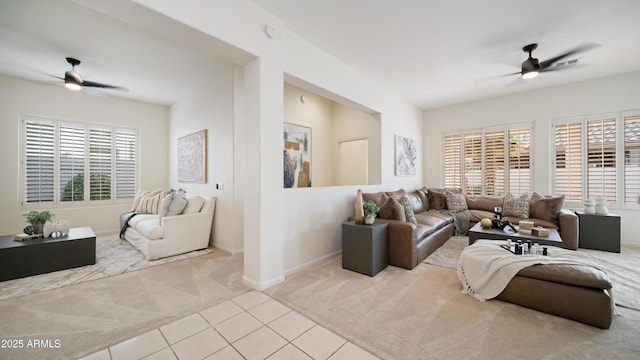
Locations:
{"points": [[623, 269], [421, 314], [113, 256]]}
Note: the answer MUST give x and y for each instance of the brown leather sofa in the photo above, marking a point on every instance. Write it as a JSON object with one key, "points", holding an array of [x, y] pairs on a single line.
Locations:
{"points": [[420, 221]]}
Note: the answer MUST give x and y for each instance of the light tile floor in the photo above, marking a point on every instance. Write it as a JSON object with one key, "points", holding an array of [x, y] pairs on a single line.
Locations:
{"points": [[249, 326]]}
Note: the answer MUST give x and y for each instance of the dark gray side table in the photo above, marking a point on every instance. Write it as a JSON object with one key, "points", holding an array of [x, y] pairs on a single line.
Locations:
{"points": [[599, 232], [365, 247]]}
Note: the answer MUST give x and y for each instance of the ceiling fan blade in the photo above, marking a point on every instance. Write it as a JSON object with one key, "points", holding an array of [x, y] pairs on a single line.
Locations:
{"points": [[582, 48], [103, 86]]}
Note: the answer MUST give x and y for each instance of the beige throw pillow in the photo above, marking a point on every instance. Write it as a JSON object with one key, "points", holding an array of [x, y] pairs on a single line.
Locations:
{"points": [[545, 207], [150, 202], [456, 200]]}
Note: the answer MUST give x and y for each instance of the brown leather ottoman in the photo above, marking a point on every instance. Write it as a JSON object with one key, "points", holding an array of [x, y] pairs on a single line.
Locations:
{"points": [[574, 292]]}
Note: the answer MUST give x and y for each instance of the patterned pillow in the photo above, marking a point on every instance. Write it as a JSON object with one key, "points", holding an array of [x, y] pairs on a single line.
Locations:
{"points": [[516, 206], [402, 198], [456, 200], [150, 202]]}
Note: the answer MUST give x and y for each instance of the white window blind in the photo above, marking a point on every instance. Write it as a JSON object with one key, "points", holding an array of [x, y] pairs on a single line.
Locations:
{"points": [[100, 164], [83, 162], [71, 163], [125, 164], [601, 161], [38, 161], [473, 163], [568, 160], [520, 161], [494, 163], [452, 167], [632, 159]]}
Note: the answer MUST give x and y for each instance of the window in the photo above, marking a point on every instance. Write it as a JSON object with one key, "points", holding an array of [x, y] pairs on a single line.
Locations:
{"points": [[590, 161], [70, 164], [490, 162]]}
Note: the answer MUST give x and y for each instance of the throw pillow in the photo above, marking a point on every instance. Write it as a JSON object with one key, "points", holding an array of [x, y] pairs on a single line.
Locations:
{"points": [[136, 199], [545, 208], [178, 203], [516, 206], [150, 202], [393, 210], [437, 200], [456, 200], [408, 209], [165, 204], [194, 205]]}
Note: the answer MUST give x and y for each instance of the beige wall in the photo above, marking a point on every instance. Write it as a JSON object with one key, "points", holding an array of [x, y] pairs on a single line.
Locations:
{"points": [[26, 97]]}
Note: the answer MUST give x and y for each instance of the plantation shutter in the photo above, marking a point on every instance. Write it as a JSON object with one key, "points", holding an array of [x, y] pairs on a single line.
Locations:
{"points": [[39, 161], [100, 164], [494, 163], [125, 165], [601, 160], [71, 160], [452, 165], [632, 159], [473, 163], [519, 161], [568, 160]]}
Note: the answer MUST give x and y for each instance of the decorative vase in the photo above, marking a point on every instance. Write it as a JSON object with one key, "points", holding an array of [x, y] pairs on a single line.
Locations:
{"points": [[601, 206], [589, 206], [62, 227], [369, 219], [48, 229], [359, 217]]}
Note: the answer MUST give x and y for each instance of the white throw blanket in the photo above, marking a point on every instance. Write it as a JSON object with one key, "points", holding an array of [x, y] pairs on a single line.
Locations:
{"points": [[485, 268]]}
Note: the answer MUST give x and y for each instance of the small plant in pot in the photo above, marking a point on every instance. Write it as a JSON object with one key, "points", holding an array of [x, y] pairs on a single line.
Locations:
{"points": [[36, 219], [370, 211]]}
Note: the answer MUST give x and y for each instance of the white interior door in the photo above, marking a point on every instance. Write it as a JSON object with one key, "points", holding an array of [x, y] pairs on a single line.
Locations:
{"points": [[353, 162]]}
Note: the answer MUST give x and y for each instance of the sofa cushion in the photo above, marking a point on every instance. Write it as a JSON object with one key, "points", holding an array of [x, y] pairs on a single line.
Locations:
{"points": [[545, 208], [437, 199], [516, 206], [477, 215], [484, 202], [149, 228], [378, 198], [434, 219], [423, 194], [456, 201], [392, 209], [416, 201], [194, 205]]}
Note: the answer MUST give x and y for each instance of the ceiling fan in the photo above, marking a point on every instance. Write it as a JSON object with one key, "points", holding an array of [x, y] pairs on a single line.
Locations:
{"points": [[531, 67], [73, 81]]}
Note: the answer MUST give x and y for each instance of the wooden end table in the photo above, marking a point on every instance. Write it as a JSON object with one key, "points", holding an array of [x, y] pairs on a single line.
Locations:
{"points": [[35, 256]]}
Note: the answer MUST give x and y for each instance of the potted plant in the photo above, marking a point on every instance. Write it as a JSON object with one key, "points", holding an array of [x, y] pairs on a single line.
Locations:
{"points": [[370, 211], [37, 219]]}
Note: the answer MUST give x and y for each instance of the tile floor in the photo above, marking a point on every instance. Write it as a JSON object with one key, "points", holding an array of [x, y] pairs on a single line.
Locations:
{"points": [[249, 326]]}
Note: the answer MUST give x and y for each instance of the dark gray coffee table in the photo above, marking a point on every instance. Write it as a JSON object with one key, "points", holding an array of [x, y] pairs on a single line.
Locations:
{"points": [[477, 232], [20, 259]]}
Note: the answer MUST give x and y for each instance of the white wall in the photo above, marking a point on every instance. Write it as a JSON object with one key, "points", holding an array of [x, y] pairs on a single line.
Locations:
{"points": [[210, 106], [610, 94], [25, 97]]}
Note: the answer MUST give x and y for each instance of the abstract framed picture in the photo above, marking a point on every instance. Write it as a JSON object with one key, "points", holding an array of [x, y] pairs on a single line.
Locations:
{"points": [[192, 157], [406, 156], [297, 156]]}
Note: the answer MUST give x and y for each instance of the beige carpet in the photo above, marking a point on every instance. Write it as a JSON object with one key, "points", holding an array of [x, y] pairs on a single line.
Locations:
{"points": [[420, 314], [113, 256], [91, 316], [623, 268]]}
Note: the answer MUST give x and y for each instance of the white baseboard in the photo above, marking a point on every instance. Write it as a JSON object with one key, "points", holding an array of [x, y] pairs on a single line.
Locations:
{"points": [[310, 263], [262, 286], [227, 250]]}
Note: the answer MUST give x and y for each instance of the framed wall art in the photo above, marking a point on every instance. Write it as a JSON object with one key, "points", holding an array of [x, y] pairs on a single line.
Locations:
{"points": [[192, 157], [297, 156], [406, 156]]}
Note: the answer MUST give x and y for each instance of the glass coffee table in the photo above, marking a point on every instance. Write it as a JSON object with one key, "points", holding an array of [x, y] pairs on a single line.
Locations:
{"points": [[477, 232]]}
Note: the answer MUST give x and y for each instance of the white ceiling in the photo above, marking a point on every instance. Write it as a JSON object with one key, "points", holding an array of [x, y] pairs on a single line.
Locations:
{"points": [[442, 52], [432, 52]]}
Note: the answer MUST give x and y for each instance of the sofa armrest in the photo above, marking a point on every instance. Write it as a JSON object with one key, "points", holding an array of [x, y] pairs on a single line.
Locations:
{"points": [[402, 243], [187, 225], [568, 225]]}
